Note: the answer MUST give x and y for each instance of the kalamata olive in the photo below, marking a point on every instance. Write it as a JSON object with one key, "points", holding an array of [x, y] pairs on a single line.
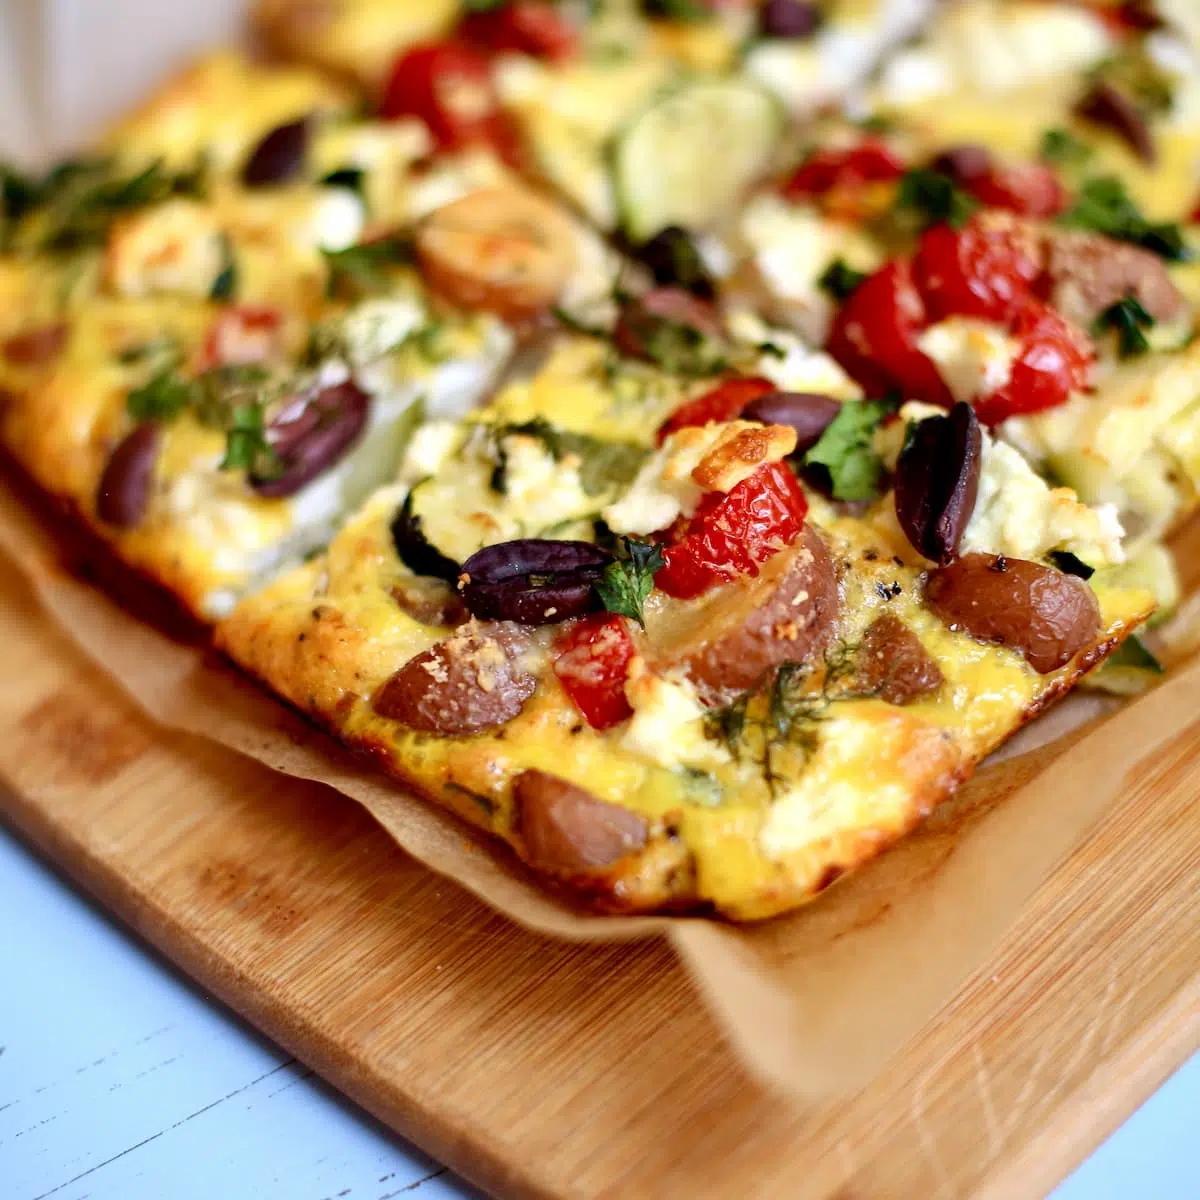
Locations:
{"points": [[471, 681], [1107, 106], [937, 479], [674, 261], [789, 19], [1047, 615], [311, 434], [893, 664], [126, 480], [567, 829], [667, 325], [279, 155], [963, 163], [415, 550], [533, 581], [37, 346], [808, 413]]}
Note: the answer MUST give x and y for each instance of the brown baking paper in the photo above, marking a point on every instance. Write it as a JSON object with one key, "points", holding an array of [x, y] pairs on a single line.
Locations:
{"points": [[801, 997]]}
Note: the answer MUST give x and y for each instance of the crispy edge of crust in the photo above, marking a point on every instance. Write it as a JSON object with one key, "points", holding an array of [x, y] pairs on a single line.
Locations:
{"points": [[661, 876]]}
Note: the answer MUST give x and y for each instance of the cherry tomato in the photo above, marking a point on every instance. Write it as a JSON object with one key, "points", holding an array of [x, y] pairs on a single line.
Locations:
{"points": [[722, 403], [532, 27], [874, 337], [246, 333], [973, 272], [1054, 360], [732, 532], [448, 85], [1029, 189], [592, 664], [871, 161]]}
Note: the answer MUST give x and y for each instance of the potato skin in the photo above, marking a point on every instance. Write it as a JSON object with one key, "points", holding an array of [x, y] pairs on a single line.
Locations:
{"points": [[565, 829], [1048, 615], [740, 631], [894, 665], [469, 682]]}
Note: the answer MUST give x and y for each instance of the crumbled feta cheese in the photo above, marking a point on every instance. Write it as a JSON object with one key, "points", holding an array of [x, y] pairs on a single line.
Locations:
{"points": [[667, 726], [692, 460], [540, 491], [975, 358], [373, 328], [430, 446], [334, 221], [1018, 514]]}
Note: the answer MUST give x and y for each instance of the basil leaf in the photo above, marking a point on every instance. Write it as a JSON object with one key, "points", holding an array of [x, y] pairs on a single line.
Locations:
{"points": [[246, 446], [934, 197], [625, 584], [163, 396], [1062, 147], [360, 270], [1104, 206], [847, 450], [225, 285], [1129, 319], [840, 280]]}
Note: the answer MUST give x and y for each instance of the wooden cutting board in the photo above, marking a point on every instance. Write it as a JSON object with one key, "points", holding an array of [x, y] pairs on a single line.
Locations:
{"points": [[539, 1068]]}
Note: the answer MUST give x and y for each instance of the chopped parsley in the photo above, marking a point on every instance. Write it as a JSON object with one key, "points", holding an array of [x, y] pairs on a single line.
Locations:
{"points": [[846, 450], [1104, 206], [934, 198], [224, 287], [625, 584], [1063, 148], [361, 270], [840, 280], [246, 446], [1129, 319], [163, 396]]}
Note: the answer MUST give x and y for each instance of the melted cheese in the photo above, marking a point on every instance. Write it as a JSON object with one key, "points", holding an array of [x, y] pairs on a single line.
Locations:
{"points": [[975, 358]]}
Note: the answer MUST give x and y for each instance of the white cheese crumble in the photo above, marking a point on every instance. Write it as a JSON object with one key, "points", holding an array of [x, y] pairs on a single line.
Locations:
{"points": [[974, 357], [666, 486], [789, 363], [374, 327], [667, 726], [428, 450]]}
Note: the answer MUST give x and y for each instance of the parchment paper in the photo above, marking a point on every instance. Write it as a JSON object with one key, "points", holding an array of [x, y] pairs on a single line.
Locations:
{"points": [[814, 1002]]}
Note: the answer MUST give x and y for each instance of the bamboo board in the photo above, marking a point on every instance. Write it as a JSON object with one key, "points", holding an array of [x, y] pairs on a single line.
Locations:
{"points": [[538, 1068]]}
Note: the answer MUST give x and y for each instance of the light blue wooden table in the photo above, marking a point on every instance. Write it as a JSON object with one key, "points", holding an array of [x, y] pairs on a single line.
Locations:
{"points": [[121, 1080]]}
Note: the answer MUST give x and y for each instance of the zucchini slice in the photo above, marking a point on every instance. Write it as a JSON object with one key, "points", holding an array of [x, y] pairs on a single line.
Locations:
{"points": [[688, 157]]}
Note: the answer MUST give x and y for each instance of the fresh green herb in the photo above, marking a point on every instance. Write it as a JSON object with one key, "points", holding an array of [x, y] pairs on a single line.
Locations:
{"points": [[1062, 147], [575, 325], [219, 391], [1129, 319], [847, 450], [1070, 564], [934, 198], [677, 10], [677, 347], [246, 446], [163, 396], [625, 584], [877, 123], [840, 280], [1104, 206], [225, 285], [1137, 76], [19, 193], [151, 348], [484, 5], [346, 177], [361, 270]]}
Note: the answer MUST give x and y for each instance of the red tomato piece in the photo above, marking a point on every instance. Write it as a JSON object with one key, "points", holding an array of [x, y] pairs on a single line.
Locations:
{"points": [[871, 161], [592, 664], [1029, 189], [722, 403], [973, 272], [1054, 360], [874, 337], [246, 333], [448, 85], [732, 532], [532, 27]]}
